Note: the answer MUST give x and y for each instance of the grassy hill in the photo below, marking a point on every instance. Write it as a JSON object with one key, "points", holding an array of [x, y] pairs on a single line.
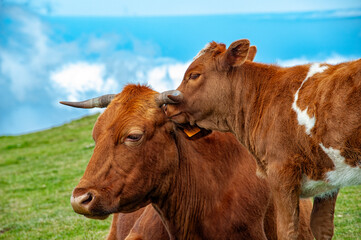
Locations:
{"points": [[38, 172]]}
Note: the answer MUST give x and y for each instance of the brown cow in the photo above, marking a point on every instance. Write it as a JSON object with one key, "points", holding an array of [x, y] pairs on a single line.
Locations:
{"points": [[203, 189], [123, 223], [302, 124], [146, 224], [143, 224]]}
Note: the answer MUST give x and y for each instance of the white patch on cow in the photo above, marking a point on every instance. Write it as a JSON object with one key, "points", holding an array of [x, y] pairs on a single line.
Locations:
{"points": [[201, 52], [311, 188], [343, 175], [302, 116]]}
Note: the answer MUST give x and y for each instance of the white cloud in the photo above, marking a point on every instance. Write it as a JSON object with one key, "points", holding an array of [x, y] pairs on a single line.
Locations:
{"points": [[292, 62], [333, 59], [38, 68], [37, 65], [79, 78], [28, 53], [167, 76]]}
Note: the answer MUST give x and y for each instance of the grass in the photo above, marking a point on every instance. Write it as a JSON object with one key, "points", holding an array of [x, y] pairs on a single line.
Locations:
{"points": [[348, 214], [38, 172]]}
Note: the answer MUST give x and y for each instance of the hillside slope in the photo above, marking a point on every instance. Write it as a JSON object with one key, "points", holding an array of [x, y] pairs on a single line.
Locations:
{"points": [[38, 172]]}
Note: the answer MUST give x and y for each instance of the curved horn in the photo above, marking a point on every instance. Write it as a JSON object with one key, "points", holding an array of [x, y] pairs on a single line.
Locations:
{"points": [[100, 102], [169, 97]]}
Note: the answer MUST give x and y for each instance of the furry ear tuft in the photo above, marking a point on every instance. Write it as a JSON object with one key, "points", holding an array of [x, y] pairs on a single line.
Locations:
{"points": [[237, 52], [252, 53]]}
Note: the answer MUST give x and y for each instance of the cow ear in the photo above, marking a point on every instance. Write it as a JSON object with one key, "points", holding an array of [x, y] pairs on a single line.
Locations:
{"points": [[252, 53], [237, 52]]}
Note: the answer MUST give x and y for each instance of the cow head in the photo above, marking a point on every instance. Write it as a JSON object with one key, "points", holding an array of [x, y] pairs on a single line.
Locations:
{"points": [[127, 168], [206, 85]]}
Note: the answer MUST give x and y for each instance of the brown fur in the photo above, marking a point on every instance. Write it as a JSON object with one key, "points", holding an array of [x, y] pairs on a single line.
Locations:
{"points": [[123, 223], [143, 224], [254, 102], [202, 189], [146, 224]]}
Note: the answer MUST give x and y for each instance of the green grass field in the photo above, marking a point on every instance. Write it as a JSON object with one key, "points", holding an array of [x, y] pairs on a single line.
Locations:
{"points": [[38, 172]]}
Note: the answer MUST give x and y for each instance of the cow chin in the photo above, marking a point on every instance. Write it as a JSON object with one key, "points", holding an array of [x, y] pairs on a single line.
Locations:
{"points": [[132, 206], [206, 125], [183, 119], [196, 119], [212, 125], [179, 118], [100, 213], [97, 217]]}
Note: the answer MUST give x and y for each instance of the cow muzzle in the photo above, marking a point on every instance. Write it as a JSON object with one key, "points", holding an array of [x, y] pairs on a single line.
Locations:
{"points": [[83, 203], [169, 97]]}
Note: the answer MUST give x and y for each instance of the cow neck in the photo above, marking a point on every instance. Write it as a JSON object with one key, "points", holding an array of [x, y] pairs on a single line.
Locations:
{"points": [[248, 85], [190, 199], [182, 208]]}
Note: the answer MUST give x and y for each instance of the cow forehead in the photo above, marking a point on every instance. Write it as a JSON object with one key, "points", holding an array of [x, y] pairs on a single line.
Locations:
{"points": [[212, 47], [134, 106], [203, 51], [195, 66]]}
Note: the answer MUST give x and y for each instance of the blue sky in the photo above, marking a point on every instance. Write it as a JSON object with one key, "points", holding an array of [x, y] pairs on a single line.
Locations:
{"points": [[179, 7], [71, 50]]}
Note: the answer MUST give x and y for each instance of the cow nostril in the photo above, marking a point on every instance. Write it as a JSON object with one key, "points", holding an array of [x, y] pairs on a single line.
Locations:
{"points": [[82, 204], [88, 199]]}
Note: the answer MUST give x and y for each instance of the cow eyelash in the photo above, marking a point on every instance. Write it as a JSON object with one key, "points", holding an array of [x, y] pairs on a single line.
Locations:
{"points": [[134, 137], [194, 76]]}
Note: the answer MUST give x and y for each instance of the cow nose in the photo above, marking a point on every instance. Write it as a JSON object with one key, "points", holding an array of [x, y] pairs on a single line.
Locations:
{"points": [[81, 201]]}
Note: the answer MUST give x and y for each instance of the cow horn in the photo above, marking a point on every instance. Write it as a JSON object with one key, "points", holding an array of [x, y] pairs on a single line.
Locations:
{"points": [[99, 102], [169, 97]]}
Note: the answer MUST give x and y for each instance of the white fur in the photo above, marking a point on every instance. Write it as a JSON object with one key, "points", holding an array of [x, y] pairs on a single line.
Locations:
{"points": [[201, 52], [343, 175], [302, 116], [311, 188]]}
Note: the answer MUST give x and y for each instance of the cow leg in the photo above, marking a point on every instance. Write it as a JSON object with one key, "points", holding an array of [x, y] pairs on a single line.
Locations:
{"points": [[322, 216], [285, 186]]}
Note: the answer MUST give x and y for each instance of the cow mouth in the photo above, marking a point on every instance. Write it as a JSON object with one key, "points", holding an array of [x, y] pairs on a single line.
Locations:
{"points": [[175, 114], [179, 117], [183, 122], [101, 214]]}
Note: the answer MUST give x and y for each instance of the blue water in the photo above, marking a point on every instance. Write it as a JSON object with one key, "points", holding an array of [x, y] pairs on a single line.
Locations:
{"points": [[312, 36], [277, 36]]}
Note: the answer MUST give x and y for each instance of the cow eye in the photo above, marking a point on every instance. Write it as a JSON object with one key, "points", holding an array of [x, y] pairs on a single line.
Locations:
{"points": [[134, 137], [194, 76]]}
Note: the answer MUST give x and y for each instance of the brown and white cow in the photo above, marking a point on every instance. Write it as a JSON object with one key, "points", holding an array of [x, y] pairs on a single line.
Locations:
{"points": [[203, 189], [302, 124]]}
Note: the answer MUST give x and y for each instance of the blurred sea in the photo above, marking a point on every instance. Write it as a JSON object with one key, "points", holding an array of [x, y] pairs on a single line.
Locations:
{"points": [[314, 35], [47, 59]]}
